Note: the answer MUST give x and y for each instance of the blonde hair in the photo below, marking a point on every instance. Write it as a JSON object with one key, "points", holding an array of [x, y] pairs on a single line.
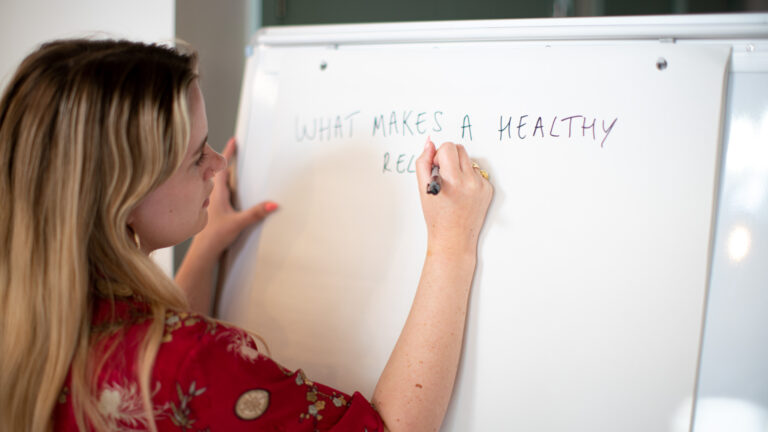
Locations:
{"points": [[87, 129]]}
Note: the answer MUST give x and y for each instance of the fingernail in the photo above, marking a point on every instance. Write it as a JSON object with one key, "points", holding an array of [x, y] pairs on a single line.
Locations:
{"points": [[270, 206], [426, 144]]}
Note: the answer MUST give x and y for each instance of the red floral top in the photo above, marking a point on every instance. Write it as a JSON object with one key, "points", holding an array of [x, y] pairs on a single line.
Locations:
{"points": [[209, 377]]}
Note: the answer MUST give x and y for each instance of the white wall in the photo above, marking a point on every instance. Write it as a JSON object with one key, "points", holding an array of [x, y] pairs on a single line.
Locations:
{"points": [[26, 24]]}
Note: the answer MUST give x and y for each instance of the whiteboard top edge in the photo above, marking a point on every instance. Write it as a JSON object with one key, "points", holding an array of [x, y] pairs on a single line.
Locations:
{"points": [[705, 26]]}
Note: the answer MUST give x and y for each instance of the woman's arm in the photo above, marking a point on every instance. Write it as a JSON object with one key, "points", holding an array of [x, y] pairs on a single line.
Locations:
{"points": [[195, 275], [415, 387]]}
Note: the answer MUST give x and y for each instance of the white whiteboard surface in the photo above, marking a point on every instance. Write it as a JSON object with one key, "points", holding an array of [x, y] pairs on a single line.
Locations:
{"points": [[588, 301]]}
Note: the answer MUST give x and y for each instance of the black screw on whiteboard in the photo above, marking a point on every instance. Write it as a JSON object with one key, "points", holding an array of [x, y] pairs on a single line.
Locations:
{"points": [[323, 65], [661, 63]]}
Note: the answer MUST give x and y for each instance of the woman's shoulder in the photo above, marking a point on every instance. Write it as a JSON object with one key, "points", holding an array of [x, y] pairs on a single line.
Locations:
{"points": [[123, 323], [197, 335], [130, 314], [180, 325], [184, 334], [208, 373]]}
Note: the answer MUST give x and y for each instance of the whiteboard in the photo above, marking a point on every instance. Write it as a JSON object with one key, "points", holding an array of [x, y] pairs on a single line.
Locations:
{"points": [[602, 137]]}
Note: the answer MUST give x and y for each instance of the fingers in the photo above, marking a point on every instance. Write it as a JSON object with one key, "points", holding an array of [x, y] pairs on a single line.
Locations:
{"points": [[452, 159], [456, 167], [465, 163], [229, 149], [447, 158], [221, 180], [255, 214], [221, 194], [424, 163], [227, 153]]}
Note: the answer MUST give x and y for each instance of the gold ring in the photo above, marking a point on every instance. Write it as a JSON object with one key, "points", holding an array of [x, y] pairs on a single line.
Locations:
{"points": [[483, 172]]}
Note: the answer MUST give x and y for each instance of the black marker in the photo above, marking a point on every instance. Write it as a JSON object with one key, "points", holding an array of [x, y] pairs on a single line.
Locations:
{"points": [[433, 188]]}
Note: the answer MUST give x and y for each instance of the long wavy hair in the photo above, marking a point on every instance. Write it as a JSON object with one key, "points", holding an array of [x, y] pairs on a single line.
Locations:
{"points": [[87, 129]]}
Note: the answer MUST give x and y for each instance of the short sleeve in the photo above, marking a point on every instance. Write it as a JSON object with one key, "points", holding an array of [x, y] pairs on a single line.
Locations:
{"points": [[225, 383]]}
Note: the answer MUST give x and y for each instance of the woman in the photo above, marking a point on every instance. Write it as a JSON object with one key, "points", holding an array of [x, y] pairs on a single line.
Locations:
{"points": [[103, 159]]}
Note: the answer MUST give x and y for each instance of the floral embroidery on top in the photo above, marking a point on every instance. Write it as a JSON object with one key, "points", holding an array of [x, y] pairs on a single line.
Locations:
{"points": [[181, 414], [123, 409], [238, 344], [176, 320], [313, 410], [339, 401], [316, 406], [301, 378]]}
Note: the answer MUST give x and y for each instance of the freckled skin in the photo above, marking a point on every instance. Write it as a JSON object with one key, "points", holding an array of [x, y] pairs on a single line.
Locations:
{"points": [[416, 385]]}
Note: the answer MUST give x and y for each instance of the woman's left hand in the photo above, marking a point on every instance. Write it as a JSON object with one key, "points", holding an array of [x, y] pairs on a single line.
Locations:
{"points": [[224, 222], [195, 275]]}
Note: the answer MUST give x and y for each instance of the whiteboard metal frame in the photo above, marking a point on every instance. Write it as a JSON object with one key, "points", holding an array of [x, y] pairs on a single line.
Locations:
{"points": [[673, 27]]}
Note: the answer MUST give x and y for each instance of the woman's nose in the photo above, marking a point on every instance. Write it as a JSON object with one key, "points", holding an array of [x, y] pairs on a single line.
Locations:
{"points": [[217, 163]]}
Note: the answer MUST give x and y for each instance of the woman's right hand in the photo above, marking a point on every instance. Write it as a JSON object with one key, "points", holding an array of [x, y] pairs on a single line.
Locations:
{"points": [[455, 216]]}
